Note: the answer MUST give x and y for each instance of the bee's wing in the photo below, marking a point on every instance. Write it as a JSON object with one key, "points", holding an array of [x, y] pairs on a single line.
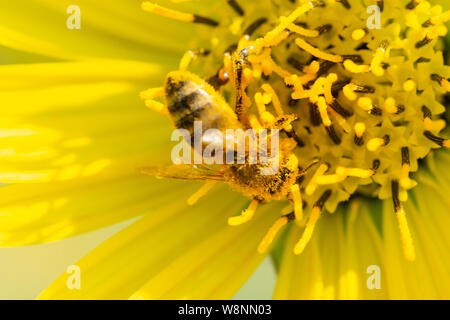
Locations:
{"points": [[186, 172]]}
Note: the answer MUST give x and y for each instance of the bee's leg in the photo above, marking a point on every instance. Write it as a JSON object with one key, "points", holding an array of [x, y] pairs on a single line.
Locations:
{"points": [[286, 124], [273, 231], [149, 95], [239, 59], [313, 217], [201, 192], [189, 56], [245, 216]]}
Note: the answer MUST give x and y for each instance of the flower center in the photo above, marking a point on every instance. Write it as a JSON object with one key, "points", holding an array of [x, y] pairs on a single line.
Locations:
{"points": [[364, 89]]}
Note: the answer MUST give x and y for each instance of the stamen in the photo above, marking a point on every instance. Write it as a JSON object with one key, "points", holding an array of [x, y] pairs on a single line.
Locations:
{"points": [[272, 233], [444, 83], [354, 172], [323, 111], [236, 7], [201, 192], [375, 65], [375, 143], [302, 31], [414, 3], [409, 85], [405, 181], [407, 241], [349, 92], [438, 140], [309, 229], [316, 52], [312, 185], [156, 106], [176, 15], [245, 216], [298, 202], [360, 128], [327, 87], [355, 68], [254, 26], [275, 100], [340, 110], [358, 34], [365, 103]]}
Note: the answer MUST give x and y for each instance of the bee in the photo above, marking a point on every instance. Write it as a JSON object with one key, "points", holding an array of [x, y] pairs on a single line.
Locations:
{"points": [[187, 99]]}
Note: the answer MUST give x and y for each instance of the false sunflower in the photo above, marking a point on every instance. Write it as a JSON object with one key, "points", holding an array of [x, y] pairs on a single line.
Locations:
{"points": [[366, 81]]}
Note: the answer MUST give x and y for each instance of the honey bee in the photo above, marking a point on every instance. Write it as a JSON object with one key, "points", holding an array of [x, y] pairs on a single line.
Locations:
{"points": [[187, 99]]}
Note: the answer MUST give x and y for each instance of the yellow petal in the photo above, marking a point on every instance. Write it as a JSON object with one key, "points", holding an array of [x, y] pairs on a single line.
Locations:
{"points": [[335, 262], [175, 252]]}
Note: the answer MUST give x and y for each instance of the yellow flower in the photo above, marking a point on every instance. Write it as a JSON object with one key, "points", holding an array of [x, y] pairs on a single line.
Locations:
{"points": [[74, 133]]}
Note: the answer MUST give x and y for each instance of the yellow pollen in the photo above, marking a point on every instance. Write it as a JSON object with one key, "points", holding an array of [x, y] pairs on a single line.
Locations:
{"points": [[152, 93], [407, 241], [349, 92], [405, 181], [355, 172], [389, 105], [323, 111], [355, 68], [358, 34], [316, 52], [156, 106], [245, 216], [302, 31], [434, 125], [375, 65], [409, 85], [331, 78], [374, 144], [445, 85], [275, 100], [365, 103], [312, 185], [330, 179], [360, 128]]}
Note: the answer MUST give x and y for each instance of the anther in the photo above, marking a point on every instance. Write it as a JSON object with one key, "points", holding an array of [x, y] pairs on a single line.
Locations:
{"points": [[345, 3], [309, 229], [335, 105], [438, 140], [423, 42], [414, 3], [236, 7], [375, 164], [444, 83], [254, 26]]}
